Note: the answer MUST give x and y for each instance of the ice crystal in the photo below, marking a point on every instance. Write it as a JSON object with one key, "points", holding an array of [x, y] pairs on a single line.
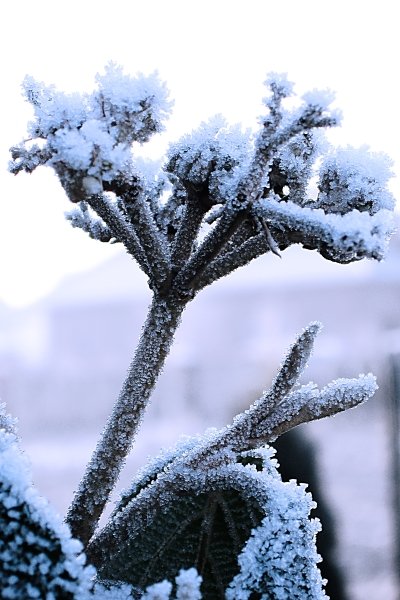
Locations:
{"points": [[279, 560]]}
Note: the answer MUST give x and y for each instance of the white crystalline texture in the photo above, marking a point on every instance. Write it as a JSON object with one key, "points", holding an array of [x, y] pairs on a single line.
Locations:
{"points": [[7, 422], [279, 81], [133, 108], [353, 178], [111, 592], [349, 235], [158, 591], [188, 585], [214, 157], [93, 133], [319, 98], [346, 392], [279, 560]]}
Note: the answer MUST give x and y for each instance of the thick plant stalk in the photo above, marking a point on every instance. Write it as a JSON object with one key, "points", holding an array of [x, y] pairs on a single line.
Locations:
{"points": [[109, 456]]}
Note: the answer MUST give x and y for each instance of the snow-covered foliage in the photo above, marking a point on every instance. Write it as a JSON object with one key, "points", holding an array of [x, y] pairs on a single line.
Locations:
{"points": [[206, 519], [38, 557], [219, 489], [279, 559], [221, 198]]}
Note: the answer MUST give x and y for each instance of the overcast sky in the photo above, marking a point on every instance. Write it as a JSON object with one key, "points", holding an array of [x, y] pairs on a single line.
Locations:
{"points": [[214, 56]]}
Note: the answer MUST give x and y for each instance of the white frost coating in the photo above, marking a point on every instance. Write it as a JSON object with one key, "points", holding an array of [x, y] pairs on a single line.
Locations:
{"points": [[92, 185], [38, 557], [355, 178], [8, 423], [52, 108], [319, 98], [139, 105], [279, 560], [158, 591], [345, 392], [280, 81], [93, 133], [349, 232], [188, 585], [214, 155], [112, 592]]}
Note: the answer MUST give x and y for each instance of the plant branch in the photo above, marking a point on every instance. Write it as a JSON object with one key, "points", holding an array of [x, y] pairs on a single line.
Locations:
{"points": [[196, 206], [144, 225], [230, 261], [228, 223], [109, 456], [120, 229]]}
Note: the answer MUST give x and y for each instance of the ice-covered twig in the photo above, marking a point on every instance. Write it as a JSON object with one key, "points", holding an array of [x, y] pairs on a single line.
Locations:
{"points": [[120, 228], [241, 434], [130, 191], [340, 238], [82, 219]]}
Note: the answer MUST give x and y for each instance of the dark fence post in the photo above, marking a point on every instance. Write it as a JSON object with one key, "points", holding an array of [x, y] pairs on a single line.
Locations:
{"points": [[394, 413]]}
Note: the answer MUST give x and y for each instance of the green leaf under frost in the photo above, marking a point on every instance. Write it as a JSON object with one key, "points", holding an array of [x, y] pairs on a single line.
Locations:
{"points": [[204, 520]]}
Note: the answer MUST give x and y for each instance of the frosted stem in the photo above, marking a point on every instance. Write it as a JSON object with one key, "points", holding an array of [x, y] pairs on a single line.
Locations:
{"points": [[121, 229], [109, 456]]}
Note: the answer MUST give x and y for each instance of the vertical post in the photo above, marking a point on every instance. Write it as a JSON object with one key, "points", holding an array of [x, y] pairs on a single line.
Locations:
{"points": [[394, 414]]}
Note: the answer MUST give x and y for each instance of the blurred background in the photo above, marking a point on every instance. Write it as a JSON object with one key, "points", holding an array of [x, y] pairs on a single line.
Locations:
{"points": [[71, 309]]}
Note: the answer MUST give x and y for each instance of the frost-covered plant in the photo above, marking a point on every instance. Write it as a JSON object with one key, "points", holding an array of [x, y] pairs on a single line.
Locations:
{"points": [[215, 502]]}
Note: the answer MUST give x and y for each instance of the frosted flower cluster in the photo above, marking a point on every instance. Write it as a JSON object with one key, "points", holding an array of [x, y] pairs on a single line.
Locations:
{"points": [[38, 557], [211, 158], [353, 178], [88, 137]]}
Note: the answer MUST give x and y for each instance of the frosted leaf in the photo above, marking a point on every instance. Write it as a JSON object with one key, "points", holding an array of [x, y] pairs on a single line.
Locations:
{"points": [[38, 557], [207, 514], [279, 560]]}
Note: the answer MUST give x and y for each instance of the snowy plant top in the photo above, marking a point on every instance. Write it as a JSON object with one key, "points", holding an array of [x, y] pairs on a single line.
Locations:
{"points": [[253, 188], [92, 133]]}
